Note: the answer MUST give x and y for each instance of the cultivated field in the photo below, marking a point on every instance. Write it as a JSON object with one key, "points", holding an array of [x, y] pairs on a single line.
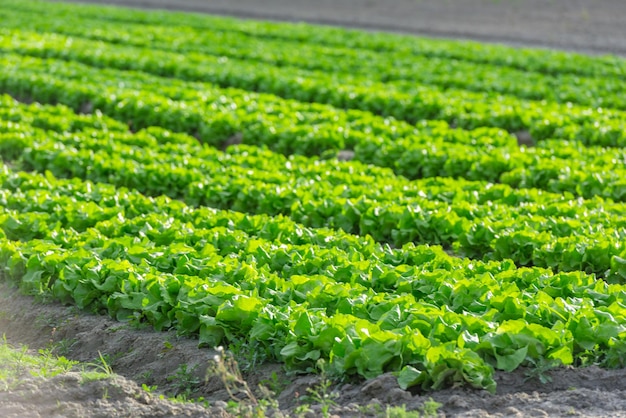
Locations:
{"points": [[368, 224]]}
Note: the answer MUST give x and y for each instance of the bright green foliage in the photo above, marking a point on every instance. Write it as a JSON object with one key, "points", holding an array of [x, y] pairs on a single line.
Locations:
{"points": [[546, 230], [222, 275], [131, 209], [428, 150]]}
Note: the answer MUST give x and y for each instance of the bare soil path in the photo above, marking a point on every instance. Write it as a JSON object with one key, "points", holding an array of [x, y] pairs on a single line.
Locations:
{"points": [[590, 26]]}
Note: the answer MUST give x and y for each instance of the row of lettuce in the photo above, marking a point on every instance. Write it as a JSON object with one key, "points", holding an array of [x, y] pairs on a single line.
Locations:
{"points": [[300, 294], [474, 219], [412, 103], [216, 115], [356, 67], [404, 48]]}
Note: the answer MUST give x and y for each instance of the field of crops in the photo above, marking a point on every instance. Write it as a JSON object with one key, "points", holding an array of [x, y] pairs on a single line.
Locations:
{"points": [[384, 203]]}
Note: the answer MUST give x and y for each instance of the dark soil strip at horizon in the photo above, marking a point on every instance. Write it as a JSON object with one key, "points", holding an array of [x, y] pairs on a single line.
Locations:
{"points": [[600, 35]]}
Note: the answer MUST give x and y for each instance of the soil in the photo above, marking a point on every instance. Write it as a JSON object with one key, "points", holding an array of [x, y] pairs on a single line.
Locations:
{"points": [[177, 367], [590, 26]]}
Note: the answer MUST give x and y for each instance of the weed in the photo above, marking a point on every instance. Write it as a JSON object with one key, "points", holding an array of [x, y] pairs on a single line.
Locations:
{"points": [[400, 412], [137, 321], [371, 409], [149, 389], [102, 364], [181, 397], [243, 402], [145, 376], [540, 368], [321, 394], [46, 357], [184, 380], [44, 320], [42, 298], [118, 328], [184, 399], [302, 410], [167, 346], [616, 356], [15, 363], [274, 384], [91, 375], [268, 401], [430, 408], [249, 355], [20, 357], [63, 346], [226, 368]]}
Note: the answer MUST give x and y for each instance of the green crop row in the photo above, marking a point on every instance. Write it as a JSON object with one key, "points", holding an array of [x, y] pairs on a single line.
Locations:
{"points": [[461, 108], [240, 109], [60, 123], [368, 65], [326, 194], [15, 116], [214, 117], [296, 35], [27, 120], [439, 319]]}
